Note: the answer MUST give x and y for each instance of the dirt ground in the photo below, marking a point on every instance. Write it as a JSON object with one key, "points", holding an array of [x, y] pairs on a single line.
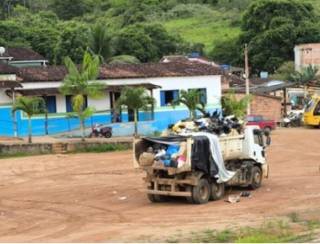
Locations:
{"points": [[99, 197]]}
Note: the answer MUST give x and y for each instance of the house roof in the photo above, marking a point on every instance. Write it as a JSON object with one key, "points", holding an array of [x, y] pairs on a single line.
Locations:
{"points": [[7, 69], [9, 84], [122, 71], [22, 54]]}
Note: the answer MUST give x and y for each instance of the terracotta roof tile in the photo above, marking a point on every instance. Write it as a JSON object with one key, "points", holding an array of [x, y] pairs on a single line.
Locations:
{"points": [[121, 71], [7, 70]]}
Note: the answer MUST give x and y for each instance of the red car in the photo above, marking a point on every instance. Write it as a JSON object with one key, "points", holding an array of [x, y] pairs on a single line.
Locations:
{"points": [[264, 124]]}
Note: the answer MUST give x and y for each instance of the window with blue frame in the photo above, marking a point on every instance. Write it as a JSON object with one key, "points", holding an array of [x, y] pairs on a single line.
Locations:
{"points": [[51, 104], [168, 97], [69, 107], [203, 94]]}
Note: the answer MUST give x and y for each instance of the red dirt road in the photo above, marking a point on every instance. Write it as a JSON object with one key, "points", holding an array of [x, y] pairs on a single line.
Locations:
{"points": [[99, 197]]}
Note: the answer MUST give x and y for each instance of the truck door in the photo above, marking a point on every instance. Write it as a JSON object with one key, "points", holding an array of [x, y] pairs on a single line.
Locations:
{"points": [[258, 147]]}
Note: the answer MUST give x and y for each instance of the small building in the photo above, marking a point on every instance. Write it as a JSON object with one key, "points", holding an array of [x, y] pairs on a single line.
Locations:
{"points": [[163, 80], [21, 57], [268, 106], [306, 54]]}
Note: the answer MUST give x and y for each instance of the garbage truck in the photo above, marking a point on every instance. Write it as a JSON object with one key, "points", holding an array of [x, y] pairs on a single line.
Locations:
{"points": [[198, 166]]}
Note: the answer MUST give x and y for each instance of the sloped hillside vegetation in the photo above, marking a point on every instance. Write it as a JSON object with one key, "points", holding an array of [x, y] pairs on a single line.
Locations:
{"points": [[146, 30]]}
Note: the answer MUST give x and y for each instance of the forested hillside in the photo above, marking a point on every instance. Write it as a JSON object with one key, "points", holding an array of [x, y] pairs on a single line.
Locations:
{"points": [[148, 29]]}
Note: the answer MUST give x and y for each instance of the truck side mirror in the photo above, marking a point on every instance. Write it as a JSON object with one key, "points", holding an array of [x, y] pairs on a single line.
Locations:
{"points": [[268, 137]]}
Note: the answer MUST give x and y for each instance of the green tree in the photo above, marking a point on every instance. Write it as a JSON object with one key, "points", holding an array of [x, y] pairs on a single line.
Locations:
{"points": [[100, 42], [37, 31], [227, 52], [13, 34], [73, 43], [192, 100], [79, 83], [146, 42], [273, 27], [135, 99], [231, 105], [306, 77], [284, 72], [68, 9], [30, 106]]}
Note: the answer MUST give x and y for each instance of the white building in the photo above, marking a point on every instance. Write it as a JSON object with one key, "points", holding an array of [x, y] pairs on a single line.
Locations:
{"points": [[163, 80]]}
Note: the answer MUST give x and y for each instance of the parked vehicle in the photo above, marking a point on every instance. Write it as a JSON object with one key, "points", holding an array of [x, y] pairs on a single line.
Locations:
{"points": [[264, 124], [100, 130], [293, 120], [242, 158], [312, 112]]}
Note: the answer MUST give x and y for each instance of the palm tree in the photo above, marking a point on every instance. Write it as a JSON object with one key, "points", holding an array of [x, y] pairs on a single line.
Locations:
{"points": [[192, 100], [305, 77], [80, 83], [231, 105], [100, 42], [135, 99], [31, 106]]}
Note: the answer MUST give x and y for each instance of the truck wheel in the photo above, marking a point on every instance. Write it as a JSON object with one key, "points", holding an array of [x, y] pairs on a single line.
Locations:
{"points": [[217, 191], [256, 178], [156, 198], [189, 199], [108, 134], [201, 192]]}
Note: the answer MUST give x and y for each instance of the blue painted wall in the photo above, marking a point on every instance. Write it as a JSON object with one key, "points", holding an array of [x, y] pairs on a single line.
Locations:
{"points": [[61, 123]]}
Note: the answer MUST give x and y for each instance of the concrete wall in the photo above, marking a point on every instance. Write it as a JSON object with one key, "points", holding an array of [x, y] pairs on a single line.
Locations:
{"points": [[48, 148], [267, 106]]}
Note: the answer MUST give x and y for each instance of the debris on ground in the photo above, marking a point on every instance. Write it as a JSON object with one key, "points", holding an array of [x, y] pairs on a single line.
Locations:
{"points": [[122, 198], [245, 194], [233, 198]]}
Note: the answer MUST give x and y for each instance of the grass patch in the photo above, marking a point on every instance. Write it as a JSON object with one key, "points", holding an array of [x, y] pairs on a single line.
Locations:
{"points": [[101, 148], [207, 27], [20, 155], [274, 232]]}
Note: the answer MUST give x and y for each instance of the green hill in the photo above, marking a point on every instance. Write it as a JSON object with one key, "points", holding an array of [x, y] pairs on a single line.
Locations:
{"points": [[218, 23], [59, 28]]}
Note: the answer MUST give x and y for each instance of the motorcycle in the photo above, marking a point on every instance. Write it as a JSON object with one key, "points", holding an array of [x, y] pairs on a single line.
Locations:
{"points": [[293, 120], [100, 130]]}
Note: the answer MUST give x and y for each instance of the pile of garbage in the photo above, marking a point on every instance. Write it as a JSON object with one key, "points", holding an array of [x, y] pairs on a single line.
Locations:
{"points": [[170, 150], [214, 124], [164, 154]]}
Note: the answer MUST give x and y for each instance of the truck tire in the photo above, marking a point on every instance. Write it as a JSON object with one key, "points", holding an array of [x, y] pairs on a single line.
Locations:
{"points": [[217, 191], [201, 192], [189, 199], [256, 178], [156, 198]]}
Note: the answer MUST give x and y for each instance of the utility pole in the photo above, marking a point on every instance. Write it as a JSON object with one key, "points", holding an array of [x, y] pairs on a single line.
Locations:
{"points": [[247, 74], [14, 118]]}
